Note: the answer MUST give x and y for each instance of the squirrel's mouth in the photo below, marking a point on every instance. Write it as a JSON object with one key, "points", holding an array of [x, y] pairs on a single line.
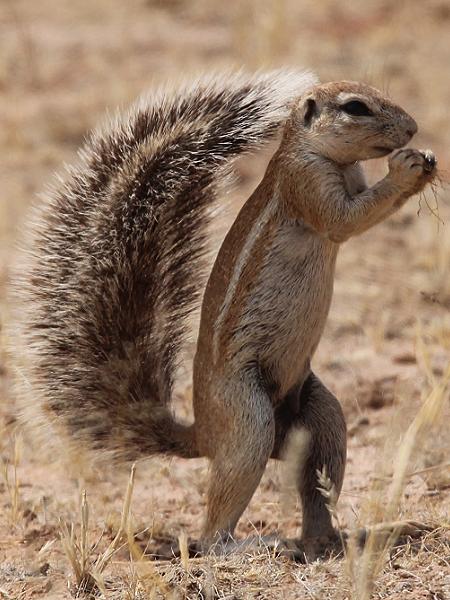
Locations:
{"points": [[383, 150]]}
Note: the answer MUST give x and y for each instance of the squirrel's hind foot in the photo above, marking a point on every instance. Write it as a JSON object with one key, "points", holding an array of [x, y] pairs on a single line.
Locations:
{"points": [[275, 546], [375, 538], [302, 550]]}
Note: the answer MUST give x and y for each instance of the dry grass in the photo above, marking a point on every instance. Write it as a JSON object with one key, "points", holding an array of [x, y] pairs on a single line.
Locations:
{"points": [[385, 508], [88, 573], [386, 350], [9, 468]]}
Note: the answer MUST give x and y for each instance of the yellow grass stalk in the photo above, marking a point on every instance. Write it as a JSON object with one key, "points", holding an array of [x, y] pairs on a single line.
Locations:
{"points": [[383, 535]]}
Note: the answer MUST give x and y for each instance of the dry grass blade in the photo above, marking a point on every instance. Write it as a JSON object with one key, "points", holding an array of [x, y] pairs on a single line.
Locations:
{"points": [[78, 551], [425, 418], [383, 535], [84, 582], [12, 484], [328, 490], [437, 183], [104, 559], [88, 574], [184, 550], [144, 575], [84, 545], [434, 210]]}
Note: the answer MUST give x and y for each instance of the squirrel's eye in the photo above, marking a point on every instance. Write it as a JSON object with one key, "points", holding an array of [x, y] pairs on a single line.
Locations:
{"points": [[357, 109]]}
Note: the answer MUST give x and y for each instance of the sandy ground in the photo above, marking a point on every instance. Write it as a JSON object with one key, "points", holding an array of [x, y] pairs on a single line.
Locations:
{"points": [[387, 342]]}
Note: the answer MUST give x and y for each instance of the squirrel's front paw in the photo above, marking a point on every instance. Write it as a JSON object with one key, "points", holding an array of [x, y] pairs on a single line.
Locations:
{"points": [[412, 169]]}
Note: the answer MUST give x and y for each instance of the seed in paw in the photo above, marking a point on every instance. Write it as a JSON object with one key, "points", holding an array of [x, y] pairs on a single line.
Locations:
{"points": [[430, 161]]}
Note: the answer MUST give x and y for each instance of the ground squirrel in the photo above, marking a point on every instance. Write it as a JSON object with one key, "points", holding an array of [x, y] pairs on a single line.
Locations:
{"points": [[114, 270]]}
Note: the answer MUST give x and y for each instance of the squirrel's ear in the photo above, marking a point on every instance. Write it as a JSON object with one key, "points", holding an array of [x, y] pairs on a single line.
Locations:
{"points": [[310, 110]]}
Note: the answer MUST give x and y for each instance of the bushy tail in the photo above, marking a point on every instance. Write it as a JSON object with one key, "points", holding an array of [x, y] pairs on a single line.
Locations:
{"points": [[116, 257]]}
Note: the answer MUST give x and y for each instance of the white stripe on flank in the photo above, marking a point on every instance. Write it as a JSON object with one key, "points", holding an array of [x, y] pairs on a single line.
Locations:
{"points": [[241, 262]]}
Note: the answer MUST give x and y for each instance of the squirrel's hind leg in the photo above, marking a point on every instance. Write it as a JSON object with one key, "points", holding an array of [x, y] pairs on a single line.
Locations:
{"points": [[240, 456], [321, 446]]}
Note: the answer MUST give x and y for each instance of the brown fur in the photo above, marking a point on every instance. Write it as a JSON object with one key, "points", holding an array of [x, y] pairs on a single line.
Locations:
{"points": [[115, 261], [113, 278], [265, 306]]}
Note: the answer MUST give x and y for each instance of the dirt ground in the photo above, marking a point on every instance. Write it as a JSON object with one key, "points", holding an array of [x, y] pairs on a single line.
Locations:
{"points": [[386, 348]]}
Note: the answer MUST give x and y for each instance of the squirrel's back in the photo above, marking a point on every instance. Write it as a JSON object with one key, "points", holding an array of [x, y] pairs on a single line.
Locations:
{"points": [[113, 262]]}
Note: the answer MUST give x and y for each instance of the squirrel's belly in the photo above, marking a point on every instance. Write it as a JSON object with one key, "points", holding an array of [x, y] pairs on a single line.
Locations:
{"points": [[289, 353], [289, 356], [286, 314]]}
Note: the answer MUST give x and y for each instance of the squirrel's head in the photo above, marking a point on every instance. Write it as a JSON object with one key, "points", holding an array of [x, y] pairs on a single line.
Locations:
{"points": [[348, 121]]}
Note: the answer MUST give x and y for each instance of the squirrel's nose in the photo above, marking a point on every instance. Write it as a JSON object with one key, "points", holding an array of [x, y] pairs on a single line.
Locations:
{"points": [[411, 128]]}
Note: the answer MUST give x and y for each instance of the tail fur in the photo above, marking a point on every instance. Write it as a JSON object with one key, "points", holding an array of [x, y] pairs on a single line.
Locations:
{"points": [[114, 263]]}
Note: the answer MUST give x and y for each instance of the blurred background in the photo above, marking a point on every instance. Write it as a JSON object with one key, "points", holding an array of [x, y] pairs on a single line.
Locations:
{"points": [[63, 63]]}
